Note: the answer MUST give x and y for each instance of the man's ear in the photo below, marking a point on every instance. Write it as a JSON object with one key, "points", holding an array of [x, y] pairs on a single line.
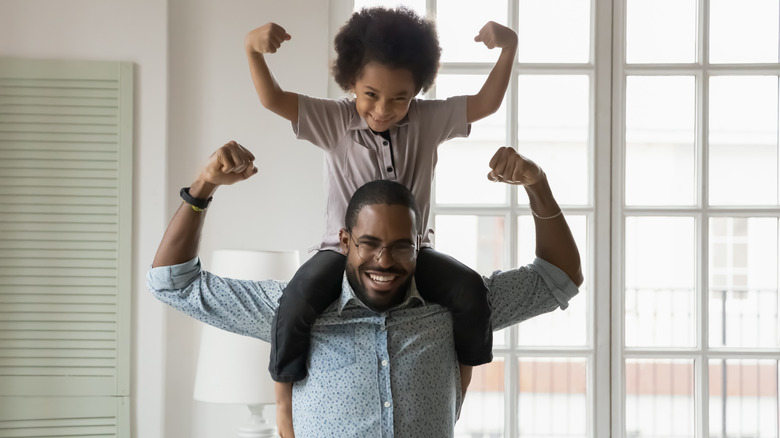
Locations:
{"points": [[344, 240]]}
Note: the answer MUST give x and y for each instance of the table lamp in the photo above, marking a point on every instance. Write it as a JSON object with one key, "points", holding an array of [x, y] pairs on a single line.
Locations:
{"points": [[234, 368]]}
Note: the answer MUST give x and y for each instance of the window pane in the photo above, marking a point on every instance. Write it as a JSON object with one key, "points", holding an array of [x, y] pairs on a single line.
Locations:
{"points": [[461, 175], [553, 131], [660, 279], [743, 31], [476, 241], [500, 337], [743, 140], [459, 22], [482, 414], [743, 270], [660, 132], [748, 407], [555, 328], [417, 6], [493, 127], [553, 31], [659, 398], [647, 43], [552, 389]]}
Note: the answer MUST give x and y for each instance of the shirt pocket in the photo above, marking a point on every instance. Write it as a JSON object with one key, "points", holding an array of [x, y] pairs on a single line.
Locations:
{"points": [[332, 348], [360, 163]]}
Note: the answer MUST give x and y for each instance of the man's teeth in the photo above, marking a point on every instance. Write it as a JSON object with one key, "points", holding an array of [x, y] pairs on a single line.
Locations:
{"points": [[381, 278]]}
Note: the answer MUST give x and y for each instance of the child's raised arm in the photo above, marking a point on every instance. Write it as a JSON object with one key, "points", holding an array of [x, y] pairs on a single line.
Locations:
{"points": [[267, 39], [488, 99]]}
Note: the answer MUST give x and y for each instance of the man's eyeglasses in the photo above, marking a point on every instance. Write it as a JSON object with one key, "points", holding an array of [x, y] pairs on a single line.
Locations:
{"points": [[370, 250]]}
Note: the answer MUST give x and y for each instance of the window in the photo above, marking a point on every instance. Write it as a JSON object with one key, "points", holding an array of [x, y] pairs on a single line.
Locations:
{"points": [[696, 225], [657, 123]]}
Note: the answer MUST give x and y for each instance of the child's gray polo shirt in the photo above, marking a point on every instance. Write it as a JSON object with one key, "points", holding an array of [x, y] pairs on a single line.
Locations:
{"points": [[356, 155]]}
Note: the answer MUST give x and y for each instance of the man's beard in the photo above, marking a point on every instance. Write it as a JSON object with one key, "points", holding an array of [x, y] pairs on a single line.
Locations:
{"points": [[360, 290]]}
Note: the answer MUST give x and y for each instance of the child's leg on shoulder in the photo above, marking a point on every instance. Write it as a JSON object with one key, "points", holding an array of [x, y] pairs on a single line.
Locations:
{"points": [[284, 422], [316, 285], [442, 279]]}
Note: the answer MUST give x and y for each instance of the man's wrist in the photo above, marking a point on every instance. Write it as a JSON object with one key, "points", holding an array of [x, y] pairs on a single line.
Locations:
{"points": [[541, 199], [202, 190]]}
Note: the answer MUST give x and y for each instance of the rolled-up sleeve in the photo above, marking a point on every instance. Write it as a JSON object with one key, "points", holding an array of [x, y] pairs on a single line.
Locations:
{"points": [[239, 306], [528, 291]]}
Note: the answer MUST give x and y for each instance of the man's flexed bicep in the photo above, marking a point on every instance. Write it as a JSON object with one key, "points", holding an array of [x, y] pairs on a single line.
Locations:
{"points": [[554, 240], [229, 164]]}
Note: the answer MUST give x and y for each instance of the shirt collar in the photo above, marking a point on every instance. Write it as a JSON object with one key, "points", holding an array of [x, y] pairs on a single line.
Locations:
{"points": [[348, 297]]}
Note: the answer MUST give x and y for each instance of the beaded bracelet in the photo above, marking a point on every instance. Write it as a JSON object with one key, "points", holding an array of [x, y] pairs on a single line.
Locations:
{"points": [[560, 212]]}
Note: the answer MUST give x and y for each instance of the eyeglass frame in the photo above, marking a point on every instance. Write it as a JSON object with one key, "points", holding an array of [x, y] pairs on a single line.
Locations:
{"points": [[416, 245]]}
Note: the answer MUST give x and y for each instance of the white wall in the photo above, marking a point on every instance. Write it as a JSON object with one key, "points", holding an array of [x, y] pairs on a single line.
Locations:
{"points": [[212, 101], [192, 94]]}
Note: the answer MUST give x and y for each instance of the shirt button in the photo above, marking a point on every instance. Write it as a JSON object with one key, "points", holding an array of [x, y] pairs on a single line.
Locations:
{"points": [[389, 169], [387, 404], [384, 143], [384, 363]]}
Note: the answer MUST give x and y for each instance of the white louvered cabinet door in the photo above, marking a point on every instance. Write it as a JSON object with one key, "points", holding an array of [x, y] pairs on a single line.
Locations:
{"points": [[65, 239]]}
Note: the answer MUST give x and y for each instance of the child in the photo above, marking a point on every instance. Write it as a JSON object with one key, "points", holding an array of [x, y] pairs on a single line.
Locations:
{"points": [[385, 57]]}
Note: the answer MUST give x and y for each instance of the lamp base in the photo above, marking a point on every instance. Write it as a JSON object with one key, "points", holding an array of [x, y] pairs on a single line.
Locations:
{"points": [[257, 426]]}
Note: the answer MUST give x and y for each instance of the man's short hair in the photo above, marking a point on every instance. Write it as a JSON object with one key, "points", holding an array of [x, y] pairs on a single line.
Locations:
{"points": [[380, 192]]}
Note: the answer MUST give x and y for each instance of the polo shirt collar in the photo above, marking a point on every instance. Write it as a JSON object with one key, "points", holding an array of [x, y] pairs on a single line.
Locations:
{"points": [[348, 297]]}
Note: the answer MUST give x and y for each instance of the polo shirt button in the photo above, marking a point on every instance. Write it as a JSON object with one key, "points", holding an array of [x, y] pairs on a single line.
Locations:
{"points": [[389, 169], [384, 363], [384, 143], [387, 404]]}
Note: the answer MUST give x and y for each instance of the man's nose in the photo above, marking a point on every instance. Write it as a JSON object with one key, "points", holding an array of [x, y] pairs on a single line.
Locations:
{"points": [[384, 258]]}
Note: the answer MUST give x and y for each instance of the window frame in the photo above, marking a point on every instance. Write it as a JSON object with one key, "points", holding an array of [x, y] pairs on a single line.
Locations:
{"points": [[598, 70], [606, 212], [701, 212]]}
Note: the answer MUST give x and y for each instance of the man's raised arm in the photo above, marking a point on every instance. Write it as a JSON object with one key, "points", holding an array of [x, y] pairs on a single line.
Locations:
{"points": [[554, 241], [229, 164]]}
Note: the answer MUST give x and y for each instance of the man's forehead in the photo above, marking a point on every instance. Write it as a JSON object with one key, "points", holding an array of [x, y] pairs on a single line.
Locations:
{"points": [[375, 218]]}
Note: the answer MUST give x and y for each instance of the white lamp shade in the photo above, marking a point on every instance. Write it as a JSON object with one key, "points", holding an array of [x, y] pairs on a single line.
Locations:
{"points": [[234, 368]]}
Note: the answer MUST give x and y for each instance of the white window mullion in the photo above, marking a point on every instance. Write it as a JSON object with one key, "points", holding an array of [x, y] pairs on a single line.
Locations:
{"points": [[511, 426], [617, 247], [702, 139], [600, 243], [701, 377]]}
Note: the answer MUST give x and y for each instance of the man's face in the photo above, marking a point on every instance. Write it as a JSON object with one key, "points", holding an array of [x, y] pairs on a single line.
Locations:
{"points": [[380, 283], [383, 95]]}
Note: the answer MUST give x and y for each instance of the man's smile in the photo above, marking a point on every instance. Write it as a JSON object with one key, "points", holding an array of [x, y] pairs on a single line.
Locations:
{"points": [[381, 280]]}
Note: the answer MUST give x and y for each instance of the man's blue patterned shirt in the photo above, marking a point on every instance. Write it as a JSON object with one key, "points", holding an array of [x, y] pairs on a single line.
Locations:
{"points": [[391, 374]]}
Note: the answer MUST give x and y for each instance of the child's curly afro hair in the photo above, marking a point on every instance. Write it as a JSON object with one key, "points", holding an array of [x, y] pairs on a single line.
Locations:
{"points": [[396, 38]]}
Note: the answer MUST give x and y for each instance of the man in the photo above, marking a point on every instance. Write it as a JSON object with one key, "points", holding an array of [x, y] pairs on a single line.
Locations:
{"points": [[382, 361]]}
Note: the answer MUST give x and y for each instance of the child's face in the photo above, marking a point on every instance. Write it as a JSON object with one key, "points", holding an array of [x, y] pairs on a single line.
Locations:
{"points": [[382, 95]]}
